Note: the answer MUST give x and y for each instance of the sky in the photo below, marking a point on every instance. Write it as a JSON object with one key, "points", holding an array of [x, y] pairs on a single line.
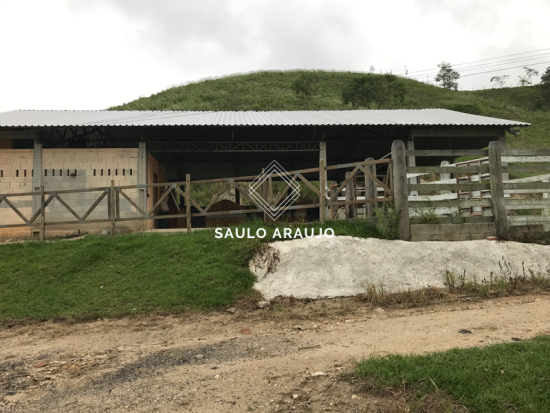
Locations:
{"points": [[93, 54]]}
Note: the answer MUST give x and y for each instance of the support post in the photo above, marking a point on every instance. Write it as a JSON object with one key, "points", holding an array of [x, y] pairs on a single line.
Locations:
{"points": [[502, 141], [322, 190], [369, 190], [322, 181], [112, 208], [400, 190], [411, 161], [42, 214], [263, 192], [142, 180], [546, 212], [350, 196], [497, 189], [37, 172], [188, 201]]}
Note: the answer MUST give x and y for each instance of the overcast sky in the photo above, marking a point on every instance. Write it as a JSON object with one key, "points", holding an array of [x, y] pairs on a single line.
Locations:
{"points": [[76, 54]]}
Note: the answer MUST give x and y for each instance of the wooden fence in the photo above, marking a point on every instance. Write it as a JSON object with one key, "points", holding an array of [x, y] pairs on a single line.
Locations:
{"points": [[483, 188], [115, 195]]}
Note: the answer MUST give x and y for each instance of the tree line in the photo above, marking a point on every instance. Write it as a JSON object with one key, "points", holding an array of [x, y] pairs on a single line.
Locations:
{"points": [[383, 90]]}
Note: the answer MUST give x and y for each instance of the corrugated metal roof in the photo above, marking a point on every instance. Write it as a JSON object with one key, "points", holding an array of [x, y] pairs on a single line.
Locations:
{"points": [[401, 117]]}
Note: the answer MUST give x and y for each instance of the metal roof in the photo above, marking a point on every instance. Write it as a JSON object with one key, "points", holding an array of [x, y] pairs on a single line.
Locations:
{"points": [[401, 117]]}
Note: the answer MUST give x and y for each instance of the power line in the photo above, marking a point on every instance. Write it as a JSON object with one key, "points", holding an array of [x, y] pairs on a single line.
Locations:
{"points": [[524, 63], [482, 60]]}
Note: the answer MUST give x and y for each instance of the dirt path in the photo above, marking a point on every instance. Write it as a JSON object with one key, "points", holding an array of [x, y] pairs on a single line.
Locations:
{"points": [[290, 360]]}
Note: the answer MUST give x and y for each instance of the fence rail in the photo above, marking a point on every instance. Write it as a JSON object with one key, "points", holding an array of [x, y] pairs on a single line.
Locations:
{"points": [[482, 189], [114, 195]]}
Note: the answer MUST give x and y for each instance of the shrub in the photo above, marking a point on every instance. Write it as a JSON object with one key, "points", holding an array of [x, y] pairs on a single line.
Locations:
{"points": [[388, 221]]}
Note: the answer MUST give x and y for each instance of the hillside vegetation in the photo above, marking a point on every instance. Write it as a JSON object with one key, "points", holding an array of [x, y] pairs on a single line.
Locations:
{"points": [[271, 90]]}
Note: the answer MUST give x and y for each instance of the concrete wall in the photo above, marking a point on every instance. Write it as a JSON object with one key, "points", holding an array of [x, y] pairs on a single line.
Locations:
{"points": [[67, 169], [15, 176]]}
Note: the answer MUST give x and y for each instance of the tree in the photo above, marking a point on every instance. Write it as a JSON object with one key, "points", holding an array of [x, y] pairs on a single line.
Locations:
{"points": [[544, 87], [447, 76], [527, 79], [305, 87], [499, 80], [379, 90]]}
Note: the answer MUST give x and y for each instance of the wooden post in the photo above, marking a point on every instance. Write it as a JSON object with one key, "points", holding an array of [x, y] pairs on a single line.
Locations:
{"points": [[322, 198], [322, 181], [369, 190], [411, 161], [331, 193], [42, 234], [400, 190], [112, 208], [270, 190], [546, 212], [188, 201], [350, 196], [497, 189]]}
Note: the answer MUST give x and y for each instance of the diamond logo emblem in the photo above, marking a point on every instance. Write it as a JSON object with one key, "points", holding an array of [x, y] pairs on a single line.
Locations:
{"points": [[274, 169]]}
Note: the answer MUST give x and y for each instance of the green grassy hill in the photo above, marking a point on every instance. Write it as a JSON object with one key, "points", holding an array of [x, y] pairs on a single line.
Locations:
{"points": [[272, 91]]}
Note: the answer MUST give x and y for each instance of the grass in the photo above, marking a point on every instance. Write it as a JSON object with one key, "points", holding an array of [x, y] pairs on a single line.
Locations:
{"points": [[498, 378], [130, 274], [271, 90]]}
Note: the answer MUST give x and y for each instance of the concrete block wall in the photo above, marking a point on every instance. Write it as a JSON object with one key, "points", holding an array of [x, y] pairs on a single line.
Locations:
{"points": [[67, 169], [15, 177]]}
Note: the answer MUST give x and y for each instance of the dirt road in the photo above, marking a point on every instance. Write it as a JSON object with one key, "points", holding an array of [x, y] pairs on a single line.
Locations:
{"points": [[264, 360]]}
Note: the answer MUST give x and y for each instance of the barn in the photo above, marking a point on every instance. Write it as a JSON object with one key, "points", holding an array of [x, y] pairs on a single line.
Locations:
{"points": [[65, 151]]}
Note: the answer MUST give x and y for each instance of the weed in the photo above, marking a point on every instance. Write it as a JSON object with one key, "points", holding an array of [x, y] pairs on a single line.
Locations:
{"points": [[388, 219], [429, 216]]}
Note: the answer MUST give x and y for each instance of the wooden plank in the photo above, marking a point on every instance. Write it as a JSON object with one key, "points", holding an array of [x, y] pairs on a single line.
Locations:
{"points": [[309, 184], [448, 152], [216, 196], [448, 220], [188, 201], [355, 164], [112, 209], [141, 211], [526, 152], [526, 168], [449, 169], [401, 187], [526, 159], [39, 212], [117, 203], [16, 210], [96, 203], [527, 203], [164, 195], [360, 201], [469, 228], [43, 204], [461, 203], [343, 184], [529, 219], [527, 185], [451, 187], [68, 207], [375, 179], [497, 189], [283, 192], [322, 192], [537, 178]]}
